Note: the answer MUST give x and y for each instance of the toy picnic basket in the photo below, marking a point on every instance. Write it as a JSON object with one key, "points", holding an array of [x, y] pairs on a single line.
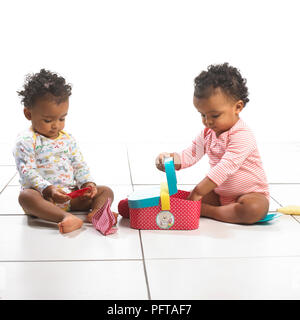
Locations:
{"points": [[165, 207]]}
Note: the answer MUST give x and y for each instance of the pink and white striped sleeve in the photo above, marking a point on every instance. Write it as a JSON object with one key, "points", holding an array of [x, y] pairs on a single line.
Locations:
{"points": [[193, 153], [242, 143]]}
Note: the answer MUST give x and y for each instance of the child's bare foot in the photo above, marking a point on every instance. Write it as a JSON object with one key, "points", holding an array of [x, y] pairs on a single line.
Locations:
{"points": [[116, 217], [69, 223], [91, 214]]}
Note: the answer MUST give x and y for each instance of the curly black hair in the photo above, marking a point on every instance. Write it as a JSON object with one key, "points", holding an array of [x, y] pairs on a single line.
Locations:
{"points": [[222, 76], [44, 84]]}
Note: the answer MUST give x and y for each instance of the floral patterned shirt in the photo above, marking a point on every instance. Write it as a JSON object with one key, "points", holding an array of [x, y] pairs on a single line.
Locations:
{"points": [[42, 162]]}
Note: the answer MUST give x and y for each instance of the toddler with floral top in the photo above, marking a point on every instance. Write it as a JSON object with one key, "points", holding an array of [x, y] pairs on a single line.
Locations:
{"points": [[48, 159]]}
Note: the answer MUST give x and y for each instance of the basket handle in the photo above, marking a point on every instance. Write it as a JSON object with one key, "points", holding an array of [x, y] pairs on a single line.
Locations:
{"points": [[164, 197]]}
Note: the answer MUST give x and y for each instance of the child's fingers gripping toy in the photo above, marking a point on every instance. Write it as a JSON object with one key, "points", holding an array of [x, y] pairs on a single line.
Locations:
{"points": [[163, 208]]}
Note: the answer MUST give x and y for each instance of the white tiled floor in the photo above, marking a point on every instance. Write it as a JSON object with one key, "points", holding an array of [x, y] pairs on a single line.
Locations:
{"points": [[217, 261]]}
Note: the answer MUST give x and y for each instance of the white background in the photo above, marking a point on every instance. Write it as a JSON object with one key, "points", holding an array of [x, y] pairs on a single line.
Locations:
{"points": [[132, 63]]}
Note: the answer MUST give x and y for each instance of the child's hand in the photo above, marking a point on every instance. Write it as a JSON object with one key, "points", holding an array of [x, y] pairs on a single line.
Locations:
{"points": [[194, 196], [89, 194], [201, 189], [54, 194], [159, 161]]}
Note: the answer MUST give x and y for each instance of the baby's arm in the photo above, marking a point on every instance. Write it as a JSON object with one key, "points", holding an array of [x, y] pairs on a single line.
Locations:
{"points": [[240, 146], [192, 154], [26, 165], [201, 189], [186, 158], [81, 170]]}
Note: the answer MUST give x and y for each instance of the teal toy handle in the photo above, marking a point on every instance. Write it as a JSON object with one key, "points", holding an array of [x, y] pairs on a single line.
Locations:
{"points": [[171, 175]]}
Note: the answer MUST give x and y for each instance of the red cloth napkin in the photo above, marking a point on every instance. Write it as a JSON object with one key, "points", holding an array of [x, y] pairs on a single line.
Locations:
{"points": [[103, 220]]}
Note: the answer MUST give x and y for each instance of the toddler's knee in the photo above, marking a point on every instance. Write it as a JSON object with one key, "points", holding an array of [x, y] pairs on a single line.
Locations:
{"points": [[26, 197], [253, 212], [106, 190]]}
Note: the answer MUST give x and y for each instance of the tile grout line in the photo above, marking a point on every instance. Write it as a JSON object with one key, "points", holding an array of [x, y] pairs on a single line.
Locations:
{"points": [[276, 201], [69, 260], [283, 183], [295, 218], [140, 236], [282, 206], [8, 182], [7, 165], [224, 258], [129, 168], [152, 259], [145, 269]]}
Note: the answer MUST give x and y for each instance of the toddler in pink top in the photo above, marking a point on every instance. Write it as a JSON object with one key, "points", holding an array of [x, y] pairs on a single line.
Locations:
{"points": [[235, 189]]}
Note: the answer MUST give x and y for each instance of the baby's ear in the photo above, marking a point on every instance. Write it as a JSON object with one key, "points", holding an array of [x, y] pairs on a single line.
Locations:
{"points": [[239, 106], [27, 113]]}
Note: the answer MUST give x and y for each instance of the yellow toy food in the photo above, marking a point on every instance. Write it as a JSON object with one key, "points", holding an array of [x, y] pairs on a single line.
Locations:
{"points": [[290, 210]]}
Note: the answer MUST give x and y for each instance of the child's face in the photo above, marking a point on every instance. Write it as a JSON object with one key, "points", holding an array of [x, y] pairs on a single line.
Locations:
{"points": [[47, 117], [218, 111]]}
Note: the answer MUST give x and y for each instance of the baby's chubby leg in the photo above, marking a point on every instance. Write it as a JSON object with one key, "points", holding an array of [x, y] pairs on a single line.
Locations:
{"points": [[34, 204], [85, 204], [248, 209]]}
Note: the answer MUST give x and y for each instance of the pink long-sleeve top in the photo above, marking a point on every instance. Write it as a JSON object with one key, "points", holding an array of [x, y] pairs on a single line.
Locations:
{"points": [[235, 164]]}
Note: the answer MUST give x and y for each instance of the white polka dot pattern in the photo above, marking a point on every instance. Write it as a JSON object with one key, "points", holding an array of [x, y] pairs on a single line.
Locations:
{"points": [[186, 214]]}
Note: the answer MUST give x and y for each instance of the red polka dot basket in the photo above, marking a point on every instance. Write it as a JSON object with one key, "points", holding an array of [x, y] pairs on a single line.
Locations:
{"points": [[150, 210]]}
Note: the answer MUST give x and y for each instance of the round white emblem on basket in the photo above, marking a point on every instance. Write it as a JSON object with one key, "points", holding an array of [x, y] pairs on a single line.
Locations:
{"points": [[165, 220]]}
